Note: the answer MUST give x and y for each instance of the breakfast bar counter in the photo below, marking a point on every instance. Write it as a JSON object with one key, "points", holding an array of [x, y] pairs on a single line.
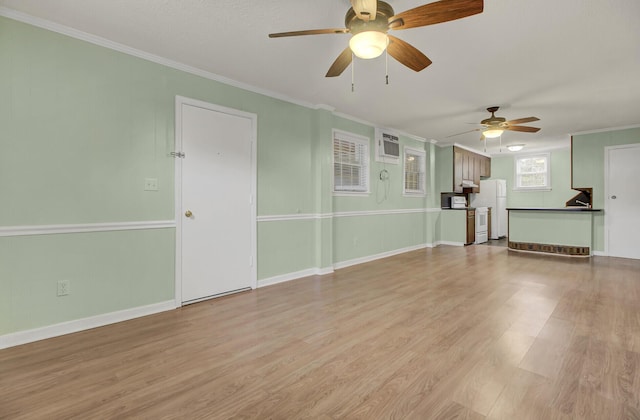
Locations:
{"points": [[562, 230]]}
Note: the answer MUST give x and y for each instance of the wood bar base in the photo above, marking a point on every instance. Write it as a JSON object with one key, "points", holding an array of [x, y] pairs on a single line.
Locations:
{"points": [[574, 251]]}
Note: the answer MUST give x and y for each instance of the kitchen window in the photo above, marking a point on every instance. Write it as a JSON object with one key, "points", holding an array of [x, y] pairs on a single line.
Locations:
{"points": [[533, 172], [414, 171], [350, 163]]}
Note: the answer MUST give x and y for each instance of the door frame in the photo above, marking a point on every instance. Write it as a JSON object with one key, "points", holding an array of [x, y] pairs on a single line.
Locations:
{"points": [[607, 150], [179, 102]]}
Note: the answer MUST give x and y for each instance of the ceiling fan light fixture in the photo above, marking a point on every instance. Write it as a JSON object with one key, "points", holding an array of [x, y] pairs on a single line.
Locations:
{"points": [[492, 133], [515, 147], [369, 44]]}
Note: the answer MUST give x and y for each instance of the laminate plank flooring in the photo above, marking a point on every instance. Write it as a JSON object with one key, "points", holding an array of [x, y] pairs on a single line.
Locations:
{"points": [[477, 332]]}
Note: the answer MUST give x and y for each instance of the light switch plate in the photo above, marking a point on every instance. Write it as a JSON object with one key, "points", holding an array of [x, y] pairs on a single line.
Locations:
{"points": [[64, 287], [151, 184]]}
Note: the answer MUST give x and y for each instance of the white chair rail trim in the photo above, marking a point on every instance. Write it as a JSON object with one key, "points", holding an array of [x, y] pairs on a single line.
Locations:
{"points": [[315, 216], [84, 228]]}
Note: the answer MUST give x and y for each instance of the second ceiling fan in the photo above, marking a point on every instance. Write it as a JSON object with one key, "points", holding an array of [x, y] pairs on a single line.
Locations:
{"points": [[369, 22], [493, 126]]}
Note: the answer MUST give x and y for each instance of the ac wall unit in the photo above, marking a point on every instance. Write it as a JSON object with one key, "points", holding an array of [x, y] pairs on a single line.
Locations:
{"points": [[387, 146]]}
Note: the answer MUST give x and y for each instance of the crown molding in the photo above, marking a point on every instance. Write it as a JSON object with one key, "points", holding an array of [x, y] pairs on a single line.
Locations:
{"points": [[104, 42], [604, 130]]}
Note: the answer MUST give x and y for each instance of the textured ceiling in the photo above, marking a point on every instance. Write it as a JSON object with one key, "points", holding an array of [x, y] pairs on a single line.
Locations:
{"points": [[575, 64]]}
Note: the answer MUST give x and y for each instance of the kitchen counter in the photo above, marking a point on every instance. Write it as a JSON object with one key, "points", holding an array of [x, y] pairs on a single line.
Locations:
{"points": [[559, 230], [560, 209]]}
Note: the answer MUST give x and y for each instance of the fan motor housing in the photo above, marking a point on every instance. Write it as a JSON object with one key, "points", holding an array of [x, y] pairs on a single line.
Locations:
{"points": [[493, 121], [379, 24]]}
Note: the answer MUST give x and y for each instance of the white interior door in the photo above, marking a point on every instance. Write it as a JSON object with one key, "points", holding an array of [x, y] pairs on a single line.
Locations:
{"points": [[216, 209], [623, 201]]}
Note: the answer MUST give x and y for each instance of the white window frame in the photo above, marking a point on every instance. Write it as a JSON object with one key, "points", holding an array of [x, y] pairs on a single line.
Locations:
{"points": [[422, 156], [365, 143], [516, 175]]}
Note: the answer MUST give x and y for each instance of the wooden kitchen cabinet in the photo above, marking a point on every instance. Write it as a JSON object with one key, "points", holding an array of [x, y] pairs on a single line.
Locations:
{"points": [[485, 167], [471, 227], [469, 166], [465, 166], [457, 169], [477, 164]]}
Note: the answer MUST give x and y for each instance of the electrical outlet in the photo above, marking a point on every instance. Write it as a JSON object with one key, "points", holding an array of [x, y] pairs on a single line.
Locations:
{"points": [[151, 184], [64, 287]]}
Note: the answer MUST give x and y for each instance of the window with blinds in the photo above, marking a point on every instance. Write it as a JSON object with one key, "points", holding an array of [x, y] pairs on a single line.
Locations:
{"points": [[414, 171], [350, 163]]}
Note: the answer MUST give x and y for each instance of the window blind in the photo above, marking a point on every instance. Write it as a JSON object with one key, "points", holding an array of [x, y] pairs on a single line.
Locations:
{"points": [[350, 163]]}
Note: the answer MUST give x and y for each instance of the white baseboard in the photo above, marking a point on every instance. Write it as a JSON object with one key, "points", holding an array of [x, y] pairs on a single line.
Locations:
{"points": [[29, 336], [450, 243], [368, 258], [328, 270], [295, 275], [323, 271], [599, 253]]}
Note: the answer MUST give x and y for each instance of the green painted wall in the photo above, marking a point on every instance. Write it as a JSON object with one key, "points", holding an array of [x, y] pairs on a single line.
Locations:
{"points": [[322, 172], [108, 271], [588, 168], [502, 167], [387, 194], [453, 226], [444, 169], [362, 236], [434, 226], [553, 228], [288, 249], [82, 126]]}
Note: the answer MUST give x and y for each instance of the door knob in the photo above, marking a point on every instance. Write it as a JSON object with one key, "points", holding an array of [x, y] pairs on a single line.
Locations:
{"points": [[188, 213]]}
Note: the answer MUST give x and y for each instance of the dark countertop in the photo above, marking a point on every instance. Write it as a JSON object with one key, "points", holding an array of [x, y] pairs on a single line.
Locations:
{"points": [[459, 208], [559, 209]]}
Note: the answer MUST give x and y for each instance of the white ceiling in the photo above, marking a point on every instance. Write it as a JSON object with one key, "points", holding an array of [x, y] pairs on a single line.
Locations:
{"points": [[575, 64]]}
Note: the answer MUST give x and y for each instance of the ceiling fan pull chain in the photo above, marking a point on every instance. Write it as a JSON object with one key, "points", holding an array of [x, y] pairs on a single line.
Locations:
{"points": [[500, 143], [353, 72], [386, 64]]}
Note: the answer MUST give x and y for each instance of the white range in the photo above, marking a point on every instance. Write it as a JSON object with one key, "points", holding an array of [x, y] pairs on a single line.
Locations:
{"points": [[493, 193]]}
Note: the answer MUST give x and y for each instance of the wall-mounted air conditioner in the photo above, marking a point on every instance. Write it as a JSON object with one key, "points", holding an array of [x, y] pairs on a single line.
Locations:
{"points": [[387, 146]]}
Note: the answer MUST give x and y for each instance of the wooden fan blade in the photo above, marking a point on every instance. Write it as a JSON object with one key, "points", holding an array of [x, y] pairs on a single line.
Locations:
{"points": [[522, 128], [459, 134], [341, 63], [407, 54], [310, 32], [523, 120], [437, 12]]}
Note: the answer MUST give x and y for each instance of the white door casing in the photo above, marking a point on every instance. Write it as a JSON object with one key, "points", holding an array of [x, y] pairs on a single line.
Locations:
{"points": [[622, 200], [216, 182]]}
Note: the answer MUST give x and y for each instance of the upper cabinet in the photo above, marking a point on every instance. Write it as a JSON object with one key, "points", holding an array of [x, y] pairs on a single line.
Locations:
{"points": [[458, 163], [469, 167], [485, 166]]}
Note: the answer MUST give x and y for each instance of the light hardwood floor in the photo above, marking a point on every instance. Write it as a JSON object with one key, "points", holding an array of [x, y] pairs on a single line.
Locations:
{"points": [[476, 332]]}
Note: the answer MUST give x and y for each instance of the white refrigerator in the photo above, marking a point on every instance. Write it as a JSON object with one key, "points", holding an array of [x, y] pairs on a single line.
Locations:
{"points": [[493, 193]]}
